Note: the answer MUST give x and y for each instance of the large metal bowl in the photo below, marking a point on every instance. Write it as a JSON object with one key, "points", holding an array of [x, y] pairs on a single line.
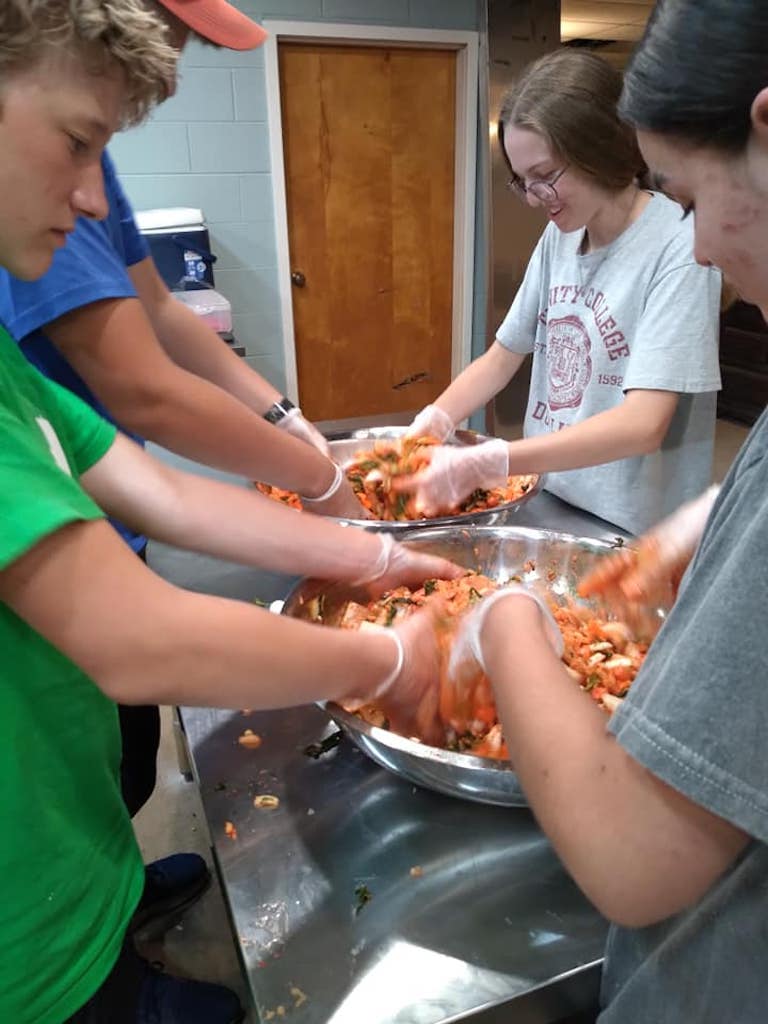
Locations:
{"points": [[550, 561], [344, 446]]}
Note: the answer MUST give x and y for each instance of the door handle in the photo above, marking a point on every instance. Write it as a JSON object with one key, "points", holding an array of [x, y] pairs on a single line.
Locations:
{"points": [[298, 279]]}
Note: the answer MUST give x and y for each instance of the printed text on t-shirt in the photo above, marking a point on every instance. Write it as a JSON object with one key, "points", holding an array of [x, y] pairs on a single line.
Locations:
{"points": [[570, 294]]}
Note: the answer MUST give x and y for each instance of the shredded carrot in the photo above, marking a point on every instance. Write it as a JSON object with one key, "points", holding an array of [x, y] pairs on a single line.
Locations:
{"points": [[372, 471]]}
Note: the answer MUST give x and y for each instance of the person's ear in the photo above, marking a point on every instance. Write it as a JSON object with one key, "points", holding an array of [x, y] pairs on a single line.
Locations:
{"points": [[759, 116]]}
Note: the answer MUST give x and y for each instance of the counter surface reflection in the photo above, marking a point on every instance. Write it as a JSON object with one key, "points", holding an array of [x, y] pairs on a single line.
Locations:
{"points": [[363, 899]]}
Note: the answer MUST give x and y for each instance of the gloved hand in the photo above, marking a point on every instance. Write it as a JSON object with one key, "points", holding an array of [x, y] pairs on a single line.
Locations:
{"points": [[401, 564], [453, 473], [651, 571], [295, 423], [409, 694], [338, 500], [432, 421], [467, 687]]}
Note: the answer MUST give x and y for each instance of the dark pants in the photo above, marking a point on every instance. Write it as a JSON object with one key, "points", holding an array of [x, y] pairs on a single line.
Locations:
{"points": [[116, 1002], [140, 731]]}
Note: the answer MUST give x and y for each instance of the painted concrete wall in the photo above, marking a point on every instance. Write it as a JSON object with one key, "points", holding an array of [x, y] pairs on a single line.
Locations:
{"points": [[207, 147]]}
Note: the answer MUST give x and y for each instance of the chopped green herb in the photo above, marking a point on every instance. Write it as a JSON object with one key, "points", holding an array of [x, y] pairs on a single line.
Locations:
{"points": [[260, 603], [367, 465], [592, 681], [474, 595], [617, 542], [429, 587], [364, 895], [400, 504]]}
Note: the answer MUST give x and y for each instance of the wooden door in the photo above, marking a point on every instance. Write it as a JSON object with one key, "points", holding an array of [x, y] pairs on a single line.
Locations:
{"points": [[368, 141]]}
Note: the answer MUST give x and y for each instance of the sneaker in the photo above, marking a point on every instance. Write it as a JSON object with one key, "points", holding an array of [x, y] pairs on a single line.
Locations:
{"points": [[171, 886], [164, 999]]}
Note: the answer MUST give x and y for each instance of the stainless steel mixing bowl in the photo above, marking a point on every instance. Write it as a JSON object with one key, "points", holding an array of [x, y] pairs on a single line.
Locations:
{"points": [[345, 444], [545, 559]]}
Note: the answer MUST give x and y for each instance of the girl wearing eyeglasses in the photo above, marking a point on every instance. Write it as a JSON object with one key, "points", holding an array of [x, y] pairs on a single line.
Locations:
{"points": [[621, 321]]}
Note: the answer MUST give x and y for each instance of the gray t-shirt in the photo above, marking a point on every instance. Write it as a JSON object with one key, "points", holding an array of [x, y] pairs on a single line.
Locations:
{"points": [[697, 718], [638, 313]]}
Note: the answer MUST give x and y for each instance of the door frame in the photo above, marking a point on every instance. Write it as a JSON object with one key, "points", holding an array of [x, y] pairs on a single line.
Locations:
{"points": [[465, 43]]}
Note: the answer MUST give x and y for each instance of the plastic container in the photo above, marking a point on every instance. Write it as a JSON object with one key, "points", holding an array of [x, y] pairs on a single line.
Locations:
{"points": [[210, 305], [180, 246]]}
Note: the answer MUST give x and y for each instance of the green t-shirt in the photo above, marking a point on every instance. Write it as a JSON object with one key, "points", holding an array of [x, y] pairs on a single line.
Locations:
{"points": [[70, 870]]}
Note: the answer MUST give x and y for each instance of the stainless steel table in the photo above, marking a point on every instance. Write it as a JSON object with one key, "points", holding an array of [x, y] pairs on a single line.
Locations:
{"points": [[362, 899]]}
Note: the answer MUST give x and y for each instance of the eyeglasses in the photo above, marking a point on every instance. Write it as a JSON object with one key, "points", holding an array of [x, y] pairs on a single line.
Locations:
{"points": [[544, 191]]}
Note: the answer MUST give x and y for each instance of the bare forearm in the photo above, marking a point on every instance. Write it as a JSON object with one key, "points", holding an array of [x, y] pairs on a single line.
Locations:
{"points": [[626, 431], [195, 347], [229, 522], [210, 652], [639, 849], [198, 420], [113, 347], [479, 382], [146, 641]]}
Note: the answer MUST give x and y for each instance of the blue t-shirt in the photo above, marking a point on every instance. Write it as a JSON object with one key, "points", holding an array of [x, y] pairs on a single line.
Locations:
{"points": [[91, 266]]}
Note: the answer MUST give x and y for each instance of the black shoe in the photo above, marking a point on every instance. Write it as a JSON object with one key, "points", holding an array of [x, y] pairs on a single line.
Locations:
{"points": [[164, 999], [171, 886]]}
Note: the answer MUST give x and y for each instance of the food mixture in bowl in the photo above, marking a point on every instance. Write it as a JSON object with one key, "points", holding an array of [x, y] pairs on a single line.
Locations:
{"points": [[601, 655], [372, 470]]}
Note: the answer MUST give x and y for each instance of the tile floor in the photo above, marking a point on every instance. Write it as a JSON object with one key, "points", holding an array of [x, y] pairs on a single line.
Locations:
{"points": [[202, 946]]}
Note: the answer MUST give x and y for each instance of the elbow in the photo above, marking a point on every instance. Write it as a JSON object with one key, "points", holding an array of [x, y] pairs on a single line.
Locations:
{"points": [[642, 904], [145, 411], [646, 440], [631, 913], [125, 687], [653, 438]]}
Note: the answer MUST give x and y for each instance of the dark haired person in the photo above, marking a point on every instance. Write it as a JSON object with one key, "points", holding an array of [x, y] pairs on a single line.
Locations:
{"points": [[621, 322], [661, 814]]}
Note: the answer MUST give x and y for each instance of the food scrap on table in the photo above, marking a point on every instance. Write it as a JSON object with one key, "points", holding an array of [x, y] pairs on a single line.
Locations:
{"points": [[363, 895], [299, 997], [372, 470], [229, 830], [249, 739], [266, 802], [316, 750]]}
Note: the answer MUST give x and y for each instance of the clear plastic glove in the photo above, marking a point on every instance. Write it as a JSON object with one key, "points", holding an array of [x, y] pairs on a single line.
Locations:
{"points": [[295, 423], [467, 648], [453, 473], [399, 564], [467, 692], [338, 500], [409, 695], [432, 421], [650, 572]]}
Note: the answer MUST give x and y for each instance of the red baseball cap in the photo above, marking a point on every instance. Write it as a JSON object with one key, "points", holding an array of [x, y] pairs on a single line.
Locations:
{"points": [[219, 22]]}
